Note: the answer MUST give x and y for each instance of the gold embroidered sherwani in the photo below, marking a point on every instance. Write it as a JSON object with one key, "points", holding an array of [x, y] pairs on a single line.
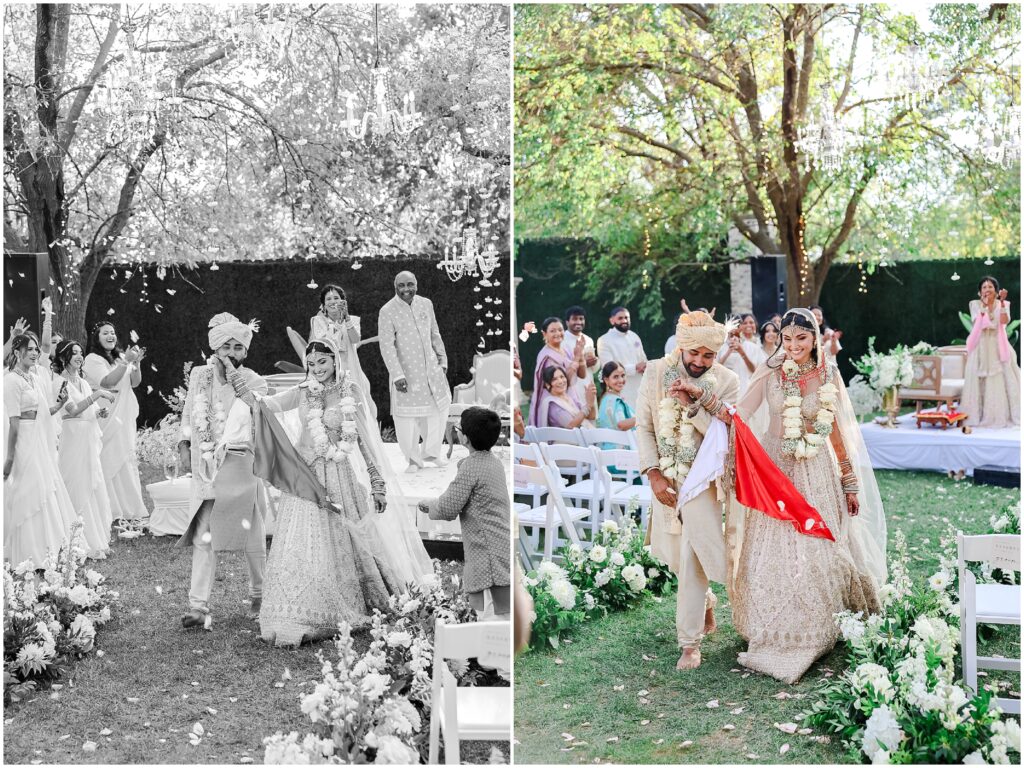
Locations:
{"points": [[694, 547]]}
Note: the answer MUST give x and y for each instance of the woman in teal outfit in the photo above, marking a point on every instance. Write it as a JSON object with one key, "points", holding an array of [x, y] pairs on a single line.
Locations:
{"points": [[614, 412]]}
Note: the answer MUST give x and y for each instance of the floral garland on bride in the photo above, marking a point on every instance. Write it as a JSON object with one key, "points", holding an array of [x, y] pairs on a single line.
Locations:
{"points": [[676, 444], [323, 446], [796, 442]]}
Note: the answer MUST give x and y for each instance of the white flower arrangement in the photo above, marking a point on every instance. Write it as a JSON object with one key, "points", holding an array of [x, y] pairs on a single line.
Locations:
{"points": [[863, 397], [371, 706], [52, 620], [894, 368], [796, 441], [155, 446], [899, 701]]}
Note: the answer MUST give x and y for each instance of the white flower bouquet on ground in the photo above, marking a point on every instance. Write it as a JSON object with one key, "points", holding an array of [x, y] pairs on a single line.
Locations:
{"points": [[158, 446], [50, 620], [899, 700]]}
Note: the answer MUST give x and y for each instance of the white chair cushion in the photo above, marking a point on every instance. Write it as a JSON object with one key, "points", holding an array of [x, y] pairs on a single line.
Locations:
{"points": [[952, 367], [538, 516], [518, 507], [641, 492], [484, 713], [954, 387], [999, 602]]}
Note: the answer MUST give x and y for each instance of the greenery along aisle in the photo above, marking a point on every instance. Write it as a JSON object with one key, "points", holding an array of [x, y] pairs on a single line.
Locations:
{"points": [[611, 691]]}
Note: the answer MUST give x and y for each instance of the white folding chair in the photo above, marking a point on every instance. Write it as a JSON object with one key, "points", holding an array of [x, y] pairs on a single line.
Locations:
{"points": [[469, 713], [575, 461], [559, 436], [987, 604], [550, 516], [614, 437], [622, 492], [529, 434], [529, 454]]}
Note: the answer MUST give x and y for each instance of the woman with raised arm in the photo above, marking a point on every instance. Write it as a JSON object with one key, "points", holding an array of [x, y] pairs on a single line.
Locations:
{"points": [[786, 586], [992, 377], [108, 366], [81, 444], [551, 356], [38, 512], [338, 559]]}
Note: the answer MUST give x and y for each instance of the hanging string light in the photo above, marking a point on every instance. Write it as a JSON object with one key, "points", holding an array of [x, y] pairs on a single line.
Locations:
{"points": [[805, 261]]}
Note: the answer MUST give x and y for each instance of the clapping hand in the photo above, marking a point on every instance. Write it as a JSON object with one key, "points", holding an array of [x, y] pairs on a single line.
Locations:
{"points": [[591, 393], [47, 305], [1002, 294], [132, 354]]}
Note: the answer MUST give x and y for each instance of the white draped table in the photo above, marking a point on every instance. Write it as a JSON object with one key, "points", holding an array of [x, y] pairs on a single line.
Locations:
{"points": [[940, 450]]}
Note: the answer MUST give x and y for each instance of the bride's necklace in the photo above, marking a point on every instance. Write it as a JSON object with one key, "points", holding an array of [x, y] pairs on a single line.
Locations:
{"points": [[26, 375], [796, 442]]}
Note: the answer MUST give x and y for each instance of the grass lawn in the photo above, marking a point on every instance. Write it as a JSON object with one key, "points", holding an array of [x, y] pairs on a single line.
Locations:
{"points": [[613, 694], [155, 679]]}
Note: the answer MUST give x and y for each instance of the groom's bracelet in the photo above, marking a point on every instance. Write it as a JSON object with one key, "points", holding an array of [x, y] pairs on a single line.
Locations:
{"points": [[710, 402], [239, 384]]}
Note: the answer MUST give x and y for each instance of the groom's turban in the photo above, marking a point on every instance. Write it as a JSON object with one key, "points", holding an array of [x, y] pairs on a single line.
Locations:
{"points": [[699, 329], [226, 326]]}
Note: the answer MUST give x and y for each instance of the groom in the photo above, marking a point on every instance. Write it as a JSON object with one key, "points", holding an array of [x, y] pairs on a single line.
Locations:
{"points": [[689, 540], [217, 443]]}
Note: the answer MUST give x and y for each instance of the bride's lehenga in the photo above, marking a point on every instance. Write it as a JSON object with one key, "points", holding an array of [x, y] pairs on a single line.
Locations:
{"points": [[788, 585], [324, 567]]}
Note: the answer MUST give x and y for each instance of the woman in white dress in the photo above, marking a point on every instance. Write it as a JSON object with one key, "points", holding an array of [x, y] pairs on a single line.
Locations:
{"points": [[328, 565], [80, 446], [741, 351], [991, 377], [109, 367], [785, 586], [335, 323], [38, 512]]}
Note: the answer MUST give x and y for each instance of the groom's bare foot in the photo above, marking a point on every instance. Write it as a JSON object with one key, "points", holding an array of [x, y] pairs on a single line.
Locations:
{"points": [[710, 625], [689, 660]]}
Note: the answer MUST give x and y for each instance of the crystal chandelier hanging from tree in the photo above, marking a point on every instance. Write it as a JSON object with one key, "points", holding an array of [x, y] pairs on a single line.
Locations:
{"points": [[824, 141], [380, 119], [1003, 146], [466, 258]]}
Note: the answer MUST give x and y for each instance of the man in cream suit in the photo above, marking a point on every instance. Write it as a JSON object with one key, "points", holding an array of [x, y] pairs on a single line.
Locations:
{"points": [[680, 394]]}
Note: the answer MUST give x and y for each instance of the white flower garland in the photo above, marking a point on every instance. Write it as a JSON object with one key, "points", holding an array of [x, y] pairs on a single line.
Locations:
{"points": [[796, 442], [322, 444], [677, 447], [209, 431]]}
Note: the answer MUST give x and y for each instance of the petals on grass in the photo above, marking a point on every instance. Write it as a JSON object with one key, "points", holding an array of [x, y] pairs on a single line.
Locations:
{"points": [[568, 737], [612, 739], [784, 749], [713, 704], [106, 732], [685, 744], [618, 687], [737, 711], [89, 746], [786, 727], [728, 727]]}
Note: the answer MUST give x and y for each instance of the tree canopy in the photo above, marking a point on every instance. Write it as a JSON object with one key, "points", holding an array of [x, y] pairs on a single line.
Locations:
{"points": [[656, 129], [200, 132]]}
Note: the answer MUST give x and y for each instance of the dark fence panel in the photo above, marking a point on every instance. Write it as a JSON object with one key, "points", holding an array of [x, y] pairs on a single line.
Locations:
{"points": [[276, 293], [909, 302]]}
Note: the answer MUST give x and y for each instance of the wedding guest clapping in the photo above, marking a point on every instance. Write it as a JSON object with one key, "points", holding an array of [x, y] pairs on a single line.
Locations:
{"points": [[81, 443], [552, 355], [478, 497], [108, 366], [559, 406], [992, 377], [334, 322], [38, 512], [829, 336]]}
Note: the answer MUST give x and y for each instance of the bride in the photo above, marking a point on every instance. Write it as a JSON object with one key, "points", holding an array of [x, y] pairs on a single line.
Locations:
{"points": [[785, 586], [333, 563]]}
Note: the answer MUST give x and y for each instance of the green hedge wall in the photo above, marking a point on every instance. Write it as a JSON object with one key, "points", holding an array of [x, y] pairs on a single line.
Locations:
{"points": [[276, 293], [908, 302]]}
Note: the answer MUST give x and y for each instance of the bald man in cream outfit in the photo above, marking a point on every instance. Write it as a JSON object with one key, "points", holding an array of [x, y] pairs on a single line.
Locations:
{"points": [[217, 443], [690, 541]]}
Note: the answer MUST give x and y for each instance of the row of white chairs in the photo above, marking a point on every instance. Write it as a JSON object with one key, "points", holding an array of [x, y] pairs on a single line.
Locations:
{"points": [[572, 490], [596, 436]]}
